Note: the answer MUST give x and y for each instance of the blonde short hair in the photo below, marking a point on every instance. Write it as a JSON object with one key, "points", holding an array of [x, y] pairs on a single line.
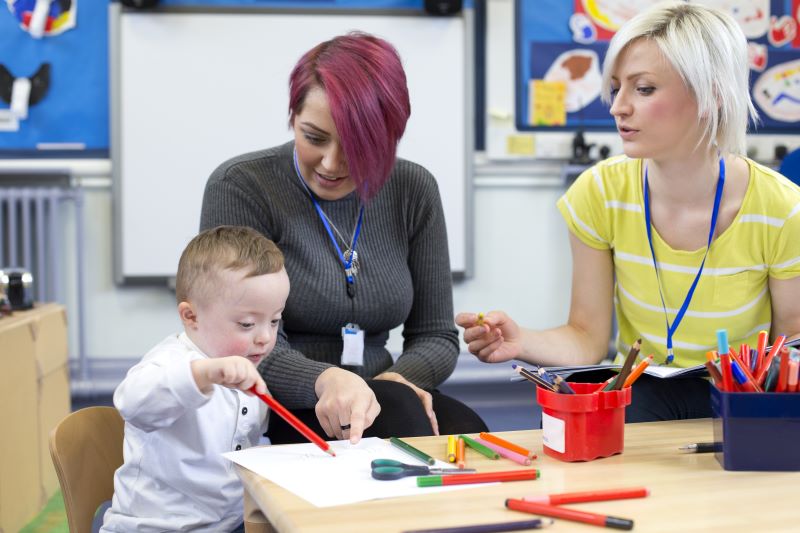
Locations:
{"points": [[222, 248], [709, 50]]}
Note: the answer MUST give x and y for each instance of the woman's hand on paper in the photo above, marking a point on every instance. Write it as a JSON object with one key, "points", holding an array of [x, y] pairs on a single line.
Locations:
{"points": [[493, 337], [423, 395], [345, 401]]}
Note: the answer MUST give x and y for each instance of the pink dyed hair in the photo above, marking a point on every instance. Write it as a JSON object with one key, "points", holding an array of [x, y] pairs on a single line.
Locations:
{"points": [[364, 80]]}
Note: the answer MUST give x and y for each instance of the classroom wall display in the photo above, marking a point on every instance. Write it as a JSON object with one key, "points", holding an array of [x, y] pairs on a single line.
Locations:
{"points": [[53, 78], [559, 59], [192, 88]]}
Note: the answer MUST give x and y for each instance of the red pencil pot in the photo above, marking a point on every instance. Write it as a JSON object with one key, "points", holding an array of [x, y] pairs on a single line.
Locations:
{"points": [[583, 426]]}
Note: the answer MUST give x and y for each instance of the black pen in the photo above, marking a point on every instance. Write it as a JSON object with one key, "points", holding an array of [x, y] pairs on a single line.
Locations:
{"points": [[701, 447]]}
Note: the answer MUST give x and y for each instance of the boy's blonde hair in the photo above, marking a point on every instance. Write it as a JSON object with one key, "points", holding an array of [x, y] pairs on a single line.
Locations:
{"points": [[709, 50], [223, 248]]}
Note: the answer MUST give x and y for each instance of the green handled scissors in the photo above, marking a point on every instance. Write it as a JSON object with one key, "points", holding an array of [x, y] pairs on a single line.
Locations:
{"points": [[387, 469]]}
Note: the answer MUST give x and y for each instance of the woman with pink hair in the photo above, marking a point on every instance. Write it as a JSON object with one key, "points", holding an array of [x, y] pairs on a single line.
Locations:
{"points": [[364, 238]]}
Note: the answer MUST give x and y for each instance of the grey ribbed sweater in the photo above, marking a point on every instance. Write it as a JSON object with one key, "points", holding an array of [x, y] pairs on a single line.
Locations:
{"points": [[404, 275]]}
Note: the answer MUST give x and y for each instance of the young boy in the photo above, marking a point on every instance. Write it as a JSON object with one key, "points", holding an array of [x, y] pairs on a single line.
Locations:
{"points": [[186, 403]]}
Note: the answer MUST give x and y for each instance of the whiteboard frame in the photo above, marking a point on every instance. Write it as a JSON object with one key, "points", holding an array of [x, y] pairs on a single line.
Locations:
{"points": [[460, 231]]}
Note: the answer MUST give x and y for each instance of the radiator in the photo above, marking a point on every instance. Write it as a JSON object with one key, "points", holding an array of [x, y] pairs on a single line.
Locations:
{"points": [[32, 229], [32, 233]]}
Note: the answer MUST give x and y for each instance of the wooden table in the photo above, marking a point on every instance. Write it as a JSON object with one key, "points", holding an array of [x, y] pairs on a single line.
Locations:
{"points": [[689, 492]]}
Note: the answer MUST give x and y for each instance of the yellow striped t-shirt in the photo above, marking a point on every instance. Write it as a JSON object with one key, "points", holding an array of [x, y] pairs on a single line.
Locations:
{"points": [[604, 209]]}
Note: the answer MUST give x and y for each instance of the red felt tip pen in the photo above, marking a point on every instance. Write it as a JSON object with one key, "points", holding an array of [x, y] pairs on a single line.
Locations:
{"points": [[727, 373], [761, 347], [482, 477], [554, 511], [776, 349], [783, 373], [589, 496], [293, 421]]}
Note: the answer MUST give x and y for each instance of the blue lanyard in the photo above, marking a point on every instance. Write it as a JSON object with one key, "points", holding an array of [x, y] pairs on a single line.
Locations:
{"points": [[347, 262], [717, 199]]}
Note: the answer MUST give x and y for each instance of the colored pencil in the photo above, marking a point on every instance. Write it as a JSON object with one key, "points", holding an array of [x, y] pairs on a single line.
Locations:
{"points": [[482, 477], [480, 448], [626, 367], [413, 452], [520, 525], [638, 371], [562, 385], [518, 458], [713, 371], [461, 453], [293, 421], [451, 448], [589, 496], [569, 514], [507, 445]]}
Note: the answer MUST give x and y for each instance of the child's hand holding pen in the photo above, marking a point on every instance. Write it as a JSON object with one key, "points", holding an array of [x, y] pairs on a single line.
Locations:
{"points": [[493, 337], [233, 372]]}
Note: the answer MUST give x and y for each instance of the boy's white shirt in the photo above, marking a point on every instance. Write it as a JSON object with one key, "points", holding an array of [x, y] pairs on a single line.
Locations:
{"points": [[174, 477]]}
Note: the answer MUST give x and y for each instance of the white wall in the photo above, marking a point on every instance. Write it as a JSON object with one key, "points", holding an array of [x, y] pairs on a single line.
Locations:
{"points": [[521, 255]]}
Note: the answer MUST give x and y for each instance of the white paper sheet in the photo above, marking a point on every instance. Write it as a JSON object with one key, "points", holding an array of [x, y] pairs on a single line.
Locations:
{"points": [[325, 481]]}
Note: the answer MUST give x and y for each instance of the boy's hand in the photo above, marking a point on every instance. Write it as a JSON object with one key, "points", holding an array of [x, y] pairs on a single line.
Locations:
{"points": [[233, 372]]}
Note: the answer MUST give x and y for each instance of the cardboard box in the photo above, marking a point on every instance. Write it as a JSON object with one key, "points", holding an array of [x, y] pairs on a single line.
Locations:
{"points": [[51, 353], [34, 391], [20, 472]]}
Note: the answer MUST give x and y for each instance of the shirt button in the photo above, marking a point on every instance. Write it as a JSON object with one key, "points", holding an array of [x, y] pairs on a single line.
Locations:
{"points": [[244, 410], [238, 447]]}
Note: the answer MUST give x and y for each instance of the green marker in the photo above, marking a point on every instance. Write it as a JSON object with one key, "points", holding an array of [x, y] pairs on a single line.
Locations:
{"points": [[409, 449], [480, 448]]}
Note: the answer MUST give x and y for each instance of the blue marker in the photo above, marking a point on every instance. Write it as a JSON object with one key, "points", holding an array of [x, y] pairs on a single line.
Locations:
{"points": [[722, 341]]}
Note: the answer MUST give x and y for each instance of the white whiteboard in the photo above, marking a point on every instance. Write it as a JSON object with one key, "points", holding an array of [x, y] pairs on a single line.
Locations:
{"points": [[190, 90]]}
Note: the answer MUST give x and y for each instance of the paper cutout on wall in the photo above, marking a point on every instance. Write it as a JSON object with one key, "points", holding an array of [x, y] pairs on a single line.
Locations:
{"points": [[580, 70], [21, 93], [548, 103], [609, 15], [44, 17], [753, 16], [777, 91]]}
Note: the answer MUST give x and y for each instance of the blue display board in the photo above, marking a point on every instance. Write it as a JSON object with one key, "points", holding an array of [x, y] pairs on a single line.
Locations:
{"points": [[562, 43], [73, 111]]}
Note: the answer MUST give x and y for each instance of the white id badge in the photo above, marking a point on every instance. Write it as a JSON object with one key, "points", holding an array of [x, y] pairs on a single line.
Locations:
{"points": [[353, 348]]}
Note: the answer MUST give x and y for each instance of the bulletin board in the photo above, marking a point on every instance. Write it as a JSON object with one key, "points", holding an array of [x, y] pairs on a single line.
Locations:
{"points": [[183, 103], [68, 69], [559, 59]]}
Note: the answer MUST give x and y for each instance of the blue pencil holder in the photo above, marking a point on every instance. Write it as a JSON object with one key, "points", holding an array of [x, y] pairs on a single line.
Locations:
{"points": [[758, 431]]}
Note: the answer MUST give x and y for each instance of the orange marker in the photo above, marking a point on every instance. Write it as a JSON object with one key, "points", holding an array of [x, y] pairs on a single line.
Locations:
{"points": [[794, 367], [507, 445], [763, 337], [712, 356], [461, 453], [638, 371]]}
